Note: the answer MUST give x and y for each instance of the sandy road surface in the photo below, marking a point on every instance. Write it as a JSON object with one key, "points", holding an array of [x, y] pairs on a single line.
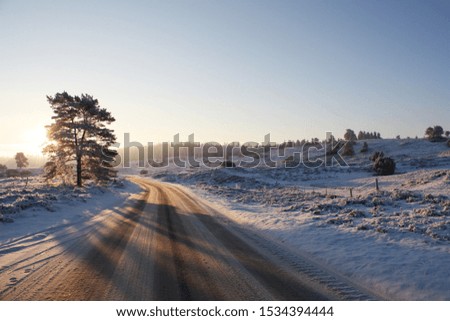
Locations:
{"points": [[164, 244]]}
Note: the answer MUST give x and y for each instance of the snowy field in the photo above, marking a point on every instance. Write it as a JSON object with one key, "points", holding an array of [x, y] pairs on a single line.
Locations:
{"points": [[28, 209], [395, 241]]}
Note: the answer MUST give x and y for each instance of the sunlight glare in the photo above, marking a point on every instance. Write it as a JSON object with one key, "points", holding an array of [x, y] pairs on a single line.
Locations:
{"points": [[34, 140]]}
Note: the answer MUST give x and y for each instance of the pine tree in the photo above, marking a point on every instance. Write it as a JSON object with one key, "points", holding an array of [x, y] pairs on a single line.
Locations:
{"points": [[438, 131], [350, 135], [81, 139], [435, 133], [429, 132]]}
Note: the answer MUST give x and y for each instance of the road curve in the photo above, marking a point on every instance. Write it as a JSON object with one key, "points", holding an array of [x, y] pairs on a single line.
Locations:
{"points": [[165, 244]]}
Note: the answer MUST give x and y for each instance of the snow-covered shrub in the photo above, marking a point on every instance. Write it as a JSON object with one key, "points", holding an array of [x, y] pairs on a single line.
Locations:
{"points": [[405, 195], [364, 148], [384, 166], [356, 213]]}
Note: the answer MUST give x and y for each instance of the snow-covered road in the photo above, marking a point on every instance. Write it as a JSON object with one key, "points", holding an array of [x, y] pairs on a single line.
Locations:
{"points": [[162, 244]]}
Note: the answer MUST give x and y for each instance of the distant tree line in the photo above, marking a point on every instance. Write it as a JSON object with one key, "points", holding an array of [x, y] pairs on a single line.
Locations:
{"points": [[351, 136], [368, 135]]}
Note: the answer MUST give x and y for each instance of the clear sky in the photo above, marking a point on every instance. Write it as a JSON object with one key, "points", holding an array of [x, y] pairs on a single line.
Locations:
{"points": [[227, 70]]}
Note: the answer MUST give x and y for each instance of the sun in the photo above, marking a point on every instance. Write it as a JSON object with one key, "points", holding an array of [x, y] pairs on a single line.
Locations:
{"points": [[34, 139]]}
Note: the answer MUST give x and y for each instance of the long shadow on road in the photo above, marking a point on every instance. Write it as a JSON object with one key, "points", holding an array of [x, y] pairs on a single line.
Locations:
{"points": [[162, 246]]}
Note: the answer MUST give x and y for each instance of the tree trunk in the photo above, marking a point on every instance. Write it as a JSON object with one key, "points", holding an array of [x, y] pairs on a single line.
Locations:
{"points": [[79, 182]]}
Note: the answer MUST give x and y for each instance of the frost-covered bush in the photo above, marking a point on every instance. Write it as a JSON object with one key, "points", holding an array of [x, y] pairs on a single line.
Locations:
{"points": [[384, 166], [364, 148]]}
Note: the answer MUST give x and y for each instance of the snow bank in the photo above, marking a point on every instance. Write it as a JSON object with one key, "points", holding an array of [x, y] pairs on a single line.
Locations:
{"points": [[37, 206]]}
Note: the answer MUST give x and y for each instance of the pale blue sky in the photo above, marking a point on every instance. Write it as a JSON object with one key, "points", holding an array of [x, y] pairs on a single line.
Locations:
{"points": [[228, 70]]}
